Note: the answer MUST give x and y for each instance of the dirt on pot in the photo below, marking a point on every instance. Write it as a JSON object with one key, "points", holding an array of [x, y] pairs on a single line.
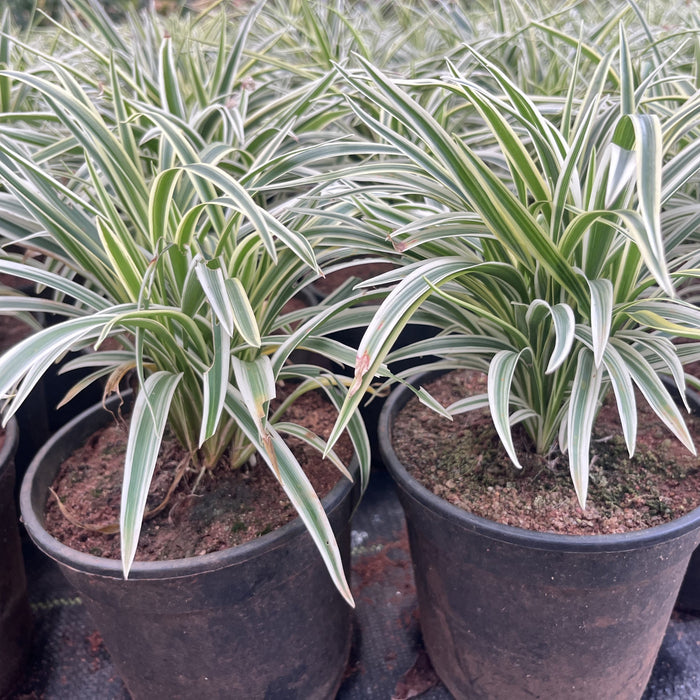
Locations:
{"points": [[464, 462], [229, 506]]}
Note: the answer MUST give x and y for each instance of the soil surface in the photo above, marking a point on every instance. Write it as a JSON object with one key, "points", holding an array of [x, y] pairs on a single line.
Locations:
{"points": [[464, 462], [229, 506]]}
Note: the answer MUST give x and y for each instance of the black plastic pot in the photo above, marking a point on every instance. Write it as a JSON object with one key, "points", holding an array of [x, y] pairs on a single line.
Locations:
{"points": [[689, 595], [15, 619], [261, 620], [508, 613]]}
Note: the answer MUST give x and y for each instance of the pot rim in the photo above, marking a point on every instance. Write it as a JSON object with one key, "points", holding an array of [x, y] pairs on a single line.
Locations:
{"points": [[32, 504], [532, 539]]}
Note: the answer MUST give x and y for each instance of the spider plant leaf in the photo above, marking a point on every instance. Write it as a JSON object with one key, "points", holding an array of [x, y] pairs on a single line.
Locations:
{"points": [[589, 51], [623, 166], [265, 224], [160, 201], [336, 391], [643, 133], [12, 304], [679, 170], [168, 83], [5, 48], [228, 64], [520, 415], [307, 504], [83, 120], [44, 347], [387, 323], [211, 278], [654, 259], [54, 281], [427, 400], [121, 113], [669, 315], [148, 421], [288, 472], [511, 145], [256, 383], [601, 315], [99, 358], [621, 381], [453, 344], [666, 352], [469, 403], [655, 393], [126, 269], [583, 405], [627, 101], [215, 382], [243, 314], [310, 438], [88, 380], [38, 192], [565, 331], [500, 378]]}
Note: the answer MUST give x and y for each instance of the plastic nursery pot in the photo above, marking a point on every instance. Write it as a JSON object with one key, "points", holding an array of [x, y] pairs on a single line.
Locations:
{"points": [[508, 613], [689, 594], [261, 620], [15, 620]]}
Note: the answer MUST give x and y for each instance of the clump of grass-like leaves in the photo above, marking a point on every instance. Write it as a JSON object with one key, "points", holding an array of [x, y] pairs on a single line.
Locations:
{"points": [[538, 237], [147, 218]]}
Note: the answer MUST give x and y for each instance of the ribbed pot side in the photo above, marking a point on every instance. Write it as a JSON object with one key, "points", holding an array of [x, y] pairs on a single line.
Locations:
{"points": [[261, 620], [15, 619], [508, 613]]}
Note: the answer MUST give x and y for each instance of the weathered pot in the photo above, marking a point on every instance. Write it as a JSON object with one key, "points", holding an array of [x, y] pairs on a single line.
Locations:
{"points": [[689, 594], [261, 620], [15, 619], [508, 613]]}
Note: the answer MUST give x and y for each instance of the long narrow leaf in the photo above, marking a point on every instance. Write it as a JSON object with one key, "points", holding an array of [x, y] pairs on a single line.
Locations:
{"points": [[583, 404], [145, 435]]}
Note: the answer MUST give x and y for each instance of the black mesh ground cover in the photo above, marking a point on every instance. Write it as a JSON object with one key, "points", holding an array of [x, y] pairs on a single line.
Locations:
{"points": [[69, 660]]}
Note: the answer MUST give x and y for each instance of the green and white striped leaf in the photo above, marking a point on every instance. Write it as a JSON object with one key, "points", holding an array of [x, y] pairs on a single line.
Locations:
{"points": [[387, 323], [601, 316], [583, 406], [643, 132], [673, 316], [243, 313], [469, 403], [44, 348], [265, 224], [215, 383], [296, 485], [621, 381], [256, 382], [310, 438], [656, 394], [211, 277], [565, 331], [148, 421], [500, 378]]}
